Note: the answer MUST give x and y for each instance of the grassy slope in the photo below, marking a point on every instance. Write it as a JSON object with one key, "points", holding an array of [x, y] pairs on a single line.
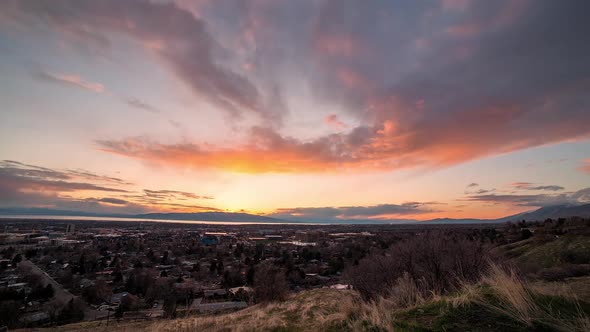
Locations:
{"points": [[500, 303], [477, 308], [316, 310], [547, 253]]}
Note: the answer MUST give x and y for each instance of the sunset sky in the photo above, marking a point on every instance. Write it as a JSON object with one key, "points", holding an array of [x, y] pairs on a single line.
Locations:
{"points": [[321, 110]]}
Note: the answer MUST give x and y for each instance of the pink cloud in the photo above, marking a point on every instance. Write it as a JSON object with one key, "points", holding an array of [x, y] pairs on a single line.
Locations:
{"points": [[506, 14], [172, 34], [73, 80], [333, 121]]}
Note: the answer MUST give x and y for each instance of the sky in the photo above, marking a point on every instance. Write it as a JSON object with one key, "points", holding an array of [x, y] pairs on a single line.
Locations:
{"points": [[310, 109]]}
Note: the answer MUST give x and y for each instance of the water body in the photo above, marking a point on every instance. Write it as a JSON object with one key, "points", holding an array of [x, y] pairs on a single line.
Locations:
{"points": [[201, 222]]}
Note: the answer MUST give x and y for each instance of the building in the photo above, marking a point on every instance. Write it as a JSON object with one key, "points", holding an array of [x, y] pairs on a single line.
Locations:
{"points": [[70, 228]]}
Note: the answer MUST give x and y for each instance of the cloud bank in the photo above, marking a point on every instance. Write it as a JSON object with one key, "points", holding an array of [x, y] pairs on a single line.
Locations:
{"points": [[383, 212], [25, 185], [428, 84]]}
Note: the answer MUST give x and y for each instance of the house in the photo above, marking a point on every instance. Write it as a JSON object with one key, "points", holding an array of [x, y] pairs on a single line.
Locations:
{"points": [[209, 240], [214, 292], [118, 297], [245, 289], [35, 317]]}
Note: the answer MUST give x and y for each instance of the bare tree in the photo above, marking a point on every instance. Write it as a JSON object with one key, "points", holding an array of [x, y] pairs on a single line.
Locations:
{"points": [[270, 283], [435, 262]]}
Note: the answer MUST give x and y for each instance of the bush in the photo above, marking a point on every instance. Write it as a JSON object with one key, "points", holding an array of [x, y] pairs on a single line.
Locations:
{"points": [[574, 256], [434, 262]]}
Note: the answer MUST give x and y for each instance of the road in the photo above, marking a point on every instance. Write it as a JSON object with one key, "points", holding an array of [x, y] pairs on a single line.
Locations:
{"points": [[60, 293]]}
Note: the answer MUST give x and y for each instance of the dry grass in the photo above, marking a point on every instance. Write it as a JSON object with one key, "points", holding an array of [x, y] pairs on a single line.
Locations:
{"points": [[469, 293], [571, 287], [517, 300], [308, 311], [501, 293]]}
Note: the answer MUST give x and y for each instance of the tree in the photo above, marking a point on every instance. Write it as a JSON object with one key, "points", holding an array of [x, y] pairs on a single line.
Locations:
{"points": [[232, 278], [435, 262], [17, 259], [213, 266], [9, 313], [220, 267], [250, 275], [196, 267], [72, 312], [270, 283], [170, 307]]}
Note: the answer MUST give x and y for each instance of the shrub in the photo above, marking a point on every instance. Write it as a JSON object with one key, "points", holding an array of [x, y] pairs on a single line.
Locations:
{"points": [[435, 262]]}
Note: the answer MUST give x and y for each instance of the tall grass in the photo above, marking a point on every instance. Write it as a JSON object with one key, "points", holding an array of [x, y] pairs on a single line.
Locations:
{"points": [[512, 297], [500, 293], [318, 310]]}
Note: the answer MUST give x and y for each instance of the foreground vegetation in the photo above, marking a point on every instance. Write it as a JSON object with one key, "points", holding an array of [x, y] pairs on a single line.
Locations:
{"points": [[499, 301]]}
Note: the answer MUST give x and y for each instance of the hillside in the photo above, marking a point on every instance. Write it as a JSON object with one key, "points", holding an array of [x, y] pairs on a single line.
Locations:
{"points": [[499, 302], [552, 212]]}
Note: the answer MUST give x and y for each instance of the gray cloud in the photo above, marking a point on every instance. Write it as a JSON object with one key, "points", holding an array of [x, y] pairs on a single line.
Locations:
{"points": [[70, 80], [115, 201], [381, 211], [25, 185], [134, 102], [538, 200], [172, 194], [173, 34], [532, 186], [15, 176]]}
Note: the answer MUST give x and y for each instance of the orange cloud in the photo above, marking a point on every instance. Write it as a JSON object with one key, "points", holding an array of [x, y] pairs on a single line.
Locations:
{"points": [[395, 141], [585, 167]]}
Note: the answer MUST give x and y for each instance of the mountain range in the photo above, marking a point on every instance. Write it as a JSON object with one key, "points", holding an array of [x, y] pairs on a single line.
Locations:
{"points": [[554, 211]]}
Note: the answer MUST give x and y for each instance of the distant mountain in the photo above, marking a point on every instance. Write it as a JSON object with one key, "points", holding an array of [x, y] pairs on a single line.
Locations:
{"points": [[553, 212], [209, 216], [460, 221], [197, 216]]}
